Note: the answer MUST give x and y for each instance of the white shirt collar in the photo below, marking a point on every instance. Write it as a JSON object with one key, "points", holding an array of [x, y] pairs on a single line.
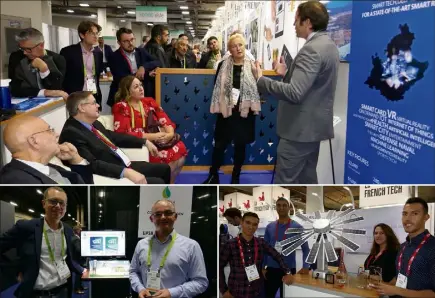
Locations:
{"points": [[37, 166], [47, 227], [311, 35]]}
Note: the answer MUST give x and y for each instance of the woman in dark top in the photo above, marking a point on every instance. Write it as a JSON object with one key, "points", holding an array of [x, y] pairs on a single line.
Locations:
{"points": [[236, 101], [384, 251]]}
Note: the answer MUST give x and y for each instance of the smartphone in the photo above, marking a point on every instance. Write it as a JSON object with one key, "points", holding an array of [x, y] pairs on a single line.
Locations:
{"points": [[279, 22]]}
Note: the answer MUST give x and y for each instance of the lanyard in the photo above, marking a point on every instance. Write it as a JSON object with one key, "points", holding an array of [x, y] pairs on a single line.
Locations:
{"points": [[276, 230], [373, 257], [242, 256], [104, 139], [184, 62], [128, 61], [411, 260], [50, 250], [142, 113], [162, 262]]}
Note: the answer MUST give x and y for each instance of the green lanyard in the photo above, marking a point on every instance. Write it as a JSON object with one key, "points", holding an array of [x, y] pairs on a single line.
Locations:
{"points": [[162, 262], [184, 62], [50, 250]]}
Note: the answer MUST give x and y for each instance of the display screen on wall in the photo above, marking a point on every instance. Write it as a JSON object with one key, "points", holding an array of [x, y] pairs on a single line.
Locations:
{"points": [[339, 28]]}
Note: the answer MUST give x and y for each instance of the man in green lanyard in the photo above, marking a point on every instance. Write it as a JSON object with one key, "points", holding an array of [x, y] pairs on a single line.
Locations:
{"points": [[167, 264], [43, 246], [178, 57]]}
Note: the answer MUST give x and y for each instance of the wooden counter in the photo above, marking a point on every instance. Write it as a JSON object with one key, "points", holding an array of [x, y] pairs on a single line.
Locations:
{"points": [[310, 283]]}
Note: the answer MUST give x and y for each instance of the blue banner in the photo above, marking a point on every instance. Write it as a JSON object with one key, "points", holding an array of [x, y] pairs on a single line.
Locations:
{"points": [[391, 102]]}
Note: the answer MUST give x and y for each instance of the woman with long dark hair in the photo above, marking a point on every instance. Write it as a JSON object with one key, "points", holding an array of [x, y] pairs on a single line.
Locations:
{"points": [[384, 251]]}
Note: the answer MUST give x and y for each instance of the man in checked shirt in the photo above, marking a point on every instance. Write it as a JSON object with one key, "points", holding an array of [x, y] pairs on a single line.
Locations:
{"points": [[245, 254]]}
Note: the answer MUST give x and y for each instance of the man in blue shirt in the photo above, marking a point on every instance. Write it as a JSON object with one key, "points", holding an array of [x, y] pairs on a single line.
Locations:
{"points": [[167, 264], [275, 233], [415, 263]]}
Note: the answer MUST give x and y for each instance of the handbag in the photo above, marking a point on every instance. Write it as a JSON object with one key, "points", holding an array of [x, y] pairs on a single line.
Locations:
{"points": [[153, 126]]}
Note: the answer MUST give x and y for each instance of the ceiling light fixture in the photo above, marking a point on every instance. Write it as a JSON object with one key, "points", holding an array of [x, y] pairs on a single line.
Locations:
{"points": [[42, 215], [184, 7], [84, 4], [118, 6], [100, 205], [31, 211], [13, 204], [70, 11], [150, 24], [93, 15], [131, 12], [39, 191], [185, 12], [122, 21], [189, 22]]}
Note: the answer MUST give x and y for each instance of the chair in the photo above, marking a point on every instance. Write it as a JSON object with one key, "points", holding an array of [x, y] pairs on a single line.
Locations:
{"points": [[134, 154]]}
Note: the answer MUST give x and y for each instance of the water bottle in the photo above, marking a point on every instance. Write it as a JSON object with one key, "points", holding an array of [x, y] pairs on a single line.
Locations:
{"points": [[5, 95]]}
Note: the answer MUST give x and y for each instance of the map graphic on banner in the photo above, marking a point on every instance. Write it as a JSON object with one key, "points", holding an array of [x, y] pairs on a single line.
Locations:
{"points": [[391, 119], [180, 196]]}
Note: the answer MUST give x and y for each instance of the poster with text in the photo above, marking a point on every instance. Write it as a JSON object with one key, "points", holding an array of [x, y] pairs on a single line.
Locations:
{"points": [[391, 102]]}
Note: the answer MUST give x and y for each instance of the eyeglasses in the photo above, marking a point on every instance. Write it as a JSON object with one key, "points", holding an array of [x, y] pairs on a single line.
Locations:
{"points": [[129, 41], [167, 213], [92, 103], [96, 34], [50, 129], [29, 50], [54, 202]]}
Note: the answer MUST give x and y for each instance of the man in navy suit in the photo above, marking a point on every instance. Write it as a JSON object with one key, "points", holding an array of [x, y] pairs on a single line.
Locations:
{"points": [[83, 64], [129, 60], [106, 50], [44, 248]]}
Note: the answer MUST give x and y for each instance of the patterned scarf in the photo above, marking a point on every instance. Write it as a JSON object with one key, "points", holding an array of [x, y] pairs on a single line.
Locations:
{"points": [[222, 102]]}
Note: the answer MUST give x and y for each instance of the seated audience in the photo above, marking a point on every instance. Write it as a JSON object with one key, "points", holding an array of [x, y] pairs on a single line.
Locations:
{"points": [[34, 71], [132, 115], [33, 143], [214, 55], [128, 60], [101, 146], [179, 58]]}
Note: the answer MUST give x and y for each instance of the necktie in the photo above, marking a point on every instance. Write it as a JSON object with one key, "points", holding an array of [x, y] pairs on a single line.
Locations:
{"points": [[53, 174]]}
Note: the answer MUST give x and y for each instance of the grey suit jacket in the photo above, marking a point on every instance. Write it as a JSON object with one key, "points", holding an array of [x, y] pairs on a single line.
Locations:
{"points": [[306, 94]]}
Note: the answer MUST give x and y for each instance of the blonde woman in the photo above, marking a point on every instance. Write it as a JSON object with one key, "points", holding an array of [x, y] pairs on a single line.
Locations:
{"points": [[236, 101], [140, 116]]}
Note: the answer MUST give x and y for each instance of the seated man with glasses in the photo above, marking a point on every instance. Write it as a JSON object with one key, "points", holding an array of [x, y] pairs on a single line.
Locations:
{"points": [[34, 71], [83, 64], [44, 248], [167, 264], [129, 60], [33, 144]]}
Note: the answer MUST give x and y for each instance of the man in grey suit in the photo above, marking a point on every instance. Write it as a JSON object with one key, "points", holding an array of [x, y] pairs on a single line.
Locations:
{"points": [[306, 97]]}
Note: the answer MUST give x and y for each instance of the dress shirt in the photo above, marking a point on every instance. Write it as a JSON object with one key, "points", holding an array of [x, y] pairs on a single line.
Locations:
{"points": [[183, 274], [132, 58], [42, 75], [88, 62], [238, 283], [290, 260], [311, 35], [37, 166], [104, 54], [422, 272], [48, 277]]}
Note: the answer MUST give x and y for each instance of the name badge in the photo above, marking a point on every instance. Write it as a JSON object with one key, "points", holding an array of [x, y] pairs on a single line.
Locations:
{"points": [[124, 157], [278, 247], [91, 85], [153, 281], [402, 281], [63, 270], [235, 93], [252, 273]]}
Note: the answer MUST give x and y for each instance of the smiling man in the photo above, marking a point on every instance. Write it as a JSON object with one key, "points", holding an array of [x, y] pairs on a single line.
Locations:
{"points": [[415, 263], [167, 264], [44, 248]]}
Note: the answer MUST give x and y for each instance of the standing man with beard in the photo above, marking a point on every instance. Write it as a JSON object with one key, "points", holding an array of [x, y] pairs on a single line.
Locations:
{"points": [[214, 55], [275, 232], [167, 264], [415, 262], [179, 56], [44, 248]]}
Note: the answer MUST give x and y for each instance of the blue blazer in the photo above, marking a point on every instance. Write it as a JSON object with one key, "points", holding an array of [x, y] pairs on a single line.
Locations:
{"points": [[26, 237], [120, 68]]}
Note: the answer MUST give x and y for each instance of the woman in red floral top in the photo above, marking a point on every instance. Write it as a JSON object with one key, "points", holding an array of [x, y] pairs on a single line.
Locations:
{"points": [[130, 100]]}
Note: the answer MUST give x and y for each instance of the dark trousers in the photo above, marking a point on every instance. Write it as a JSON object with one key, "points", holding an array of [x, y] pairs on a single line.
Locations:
{"points": [[273, 282], [155, 173], [219, 154]]}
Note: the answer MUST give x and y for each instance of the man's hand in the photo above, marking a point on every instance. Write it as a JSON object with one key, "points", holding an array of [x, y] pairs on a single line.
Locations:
{"points": [[144, 293], [264, 271], [140, 73], [256, 70], [304, 271], [153, 72], [227, 294], [152, 148], [162, 294], [386, 290], [20, 277], [134, 176], [55, 93], [166, 137], [39, 64], [85, 273], [288, 279], [68, 152], [280, 67]]}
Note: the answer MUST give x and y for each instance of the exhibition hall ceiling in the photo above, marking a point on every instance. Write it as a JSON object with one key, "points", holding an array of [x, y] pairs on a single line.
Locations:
{"points": [[201, 12]]}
